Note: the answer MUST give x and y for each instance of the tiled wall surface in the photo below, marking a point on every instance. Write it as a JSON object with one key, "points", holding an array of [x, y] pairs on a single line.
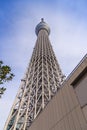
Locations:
{"points": [[64, 111]]}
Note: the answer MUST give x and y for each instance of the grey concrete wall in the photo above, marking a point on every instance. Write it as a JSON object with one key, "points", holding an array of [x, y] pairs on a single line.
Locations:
{"points": [[64, 111]]}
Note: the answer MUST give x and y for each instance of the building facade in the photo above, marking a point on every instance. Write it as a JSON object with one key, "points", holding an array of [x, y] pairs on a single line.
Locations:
{"points": [[68, 108]]}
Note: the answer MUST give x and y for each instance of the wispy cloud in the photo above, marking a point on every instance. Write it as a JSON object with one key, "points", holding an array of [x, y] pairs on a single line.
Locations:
{"points": [[70, 42]]}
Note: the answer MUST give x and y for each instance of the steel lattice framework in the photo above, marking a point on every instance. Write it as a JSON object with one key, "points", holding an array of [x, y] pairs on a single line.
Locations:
{"points": [[42, 80]]}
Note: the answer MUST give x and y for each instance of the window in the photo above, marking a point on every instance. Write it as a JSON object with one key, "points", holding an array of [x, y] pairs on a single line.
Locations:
{"points": [[80, 86]]}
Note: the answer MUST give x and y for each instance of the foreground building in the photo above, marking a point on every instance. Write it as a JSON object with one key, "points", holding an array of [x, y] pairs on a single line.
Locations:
{"points": [[67, 110]]}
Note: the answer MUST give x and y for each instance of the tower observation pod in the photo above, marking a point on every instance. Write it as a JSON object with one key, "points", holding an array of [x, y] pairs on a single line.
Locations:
{"points": [[42, 80]]}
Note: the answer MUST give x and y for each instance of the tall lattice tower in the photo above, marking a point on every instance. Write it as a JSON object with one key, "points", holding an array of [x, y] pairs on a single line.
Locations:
{"points": [[42, 80]]}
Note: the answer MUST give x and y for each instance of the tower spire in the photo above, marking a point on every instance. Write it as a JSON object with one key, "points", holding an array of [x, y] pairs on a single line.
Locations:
{"points": [[42, 19], [43, 79]]}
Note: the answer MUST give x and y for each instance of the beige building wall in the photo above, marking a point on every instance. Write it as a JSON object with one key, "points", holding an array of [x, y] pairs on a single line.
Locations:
{"points": [[64, 111]]}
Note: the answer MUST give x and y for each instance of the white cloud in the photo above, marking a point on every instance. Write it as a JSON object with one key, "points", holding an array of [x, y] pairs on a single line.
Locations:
{"points": [[72, 39]]}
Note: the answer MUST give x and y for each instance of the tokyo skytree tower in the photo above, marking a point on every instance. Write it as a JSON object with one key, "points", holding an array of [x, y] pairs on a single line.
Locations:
{"points": [[42, 80]]}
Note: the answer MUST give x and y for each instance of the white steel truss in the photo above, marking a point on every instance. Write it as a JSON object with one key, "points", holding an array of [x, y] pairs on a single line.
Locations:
{"points": [[43, 79]]}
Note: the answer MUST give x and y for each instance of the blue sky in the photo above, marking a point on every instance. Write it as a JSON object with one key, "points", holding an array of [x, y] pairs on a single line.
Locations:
{"points": [[18, 19]]}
